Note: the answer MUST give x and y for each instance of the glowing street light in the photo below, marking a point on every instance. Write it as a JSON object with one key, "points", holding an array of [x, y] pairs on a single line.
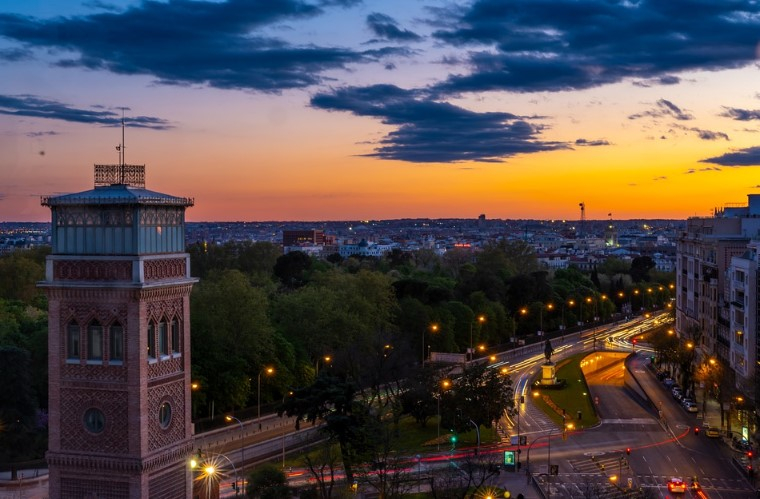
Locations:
{"points": [[229, 419], [269, 371]]}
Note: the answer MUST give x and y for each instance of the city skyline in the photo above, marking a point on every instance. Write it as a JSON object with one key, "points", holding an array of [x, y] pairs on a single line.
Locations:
{"points": [[350, 110]]}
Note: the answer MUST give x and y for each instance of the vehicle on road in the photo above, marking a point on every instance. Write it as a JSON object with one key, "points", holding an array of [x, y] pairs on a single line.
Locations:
{"points": [[691, 407], [712, 432], [676, 486]]}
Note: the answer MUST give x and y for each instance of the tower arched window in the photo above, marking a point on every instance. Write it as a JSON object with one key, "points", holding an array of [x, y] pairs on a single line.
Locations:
{"points": [[175, 336], [116, 343], [72, 341], [151, 340], [94, 341], [163, 338]]}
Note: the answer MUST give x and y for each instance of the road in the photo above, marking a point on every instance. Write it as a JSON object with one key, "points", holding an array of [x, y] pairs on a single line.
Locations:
{"points": [[594, 462]]}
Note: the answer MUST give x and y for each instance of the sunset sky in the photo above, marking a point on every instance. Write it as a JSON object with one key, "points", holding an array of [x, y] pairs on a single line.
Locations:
{"points": [[350, 109]]}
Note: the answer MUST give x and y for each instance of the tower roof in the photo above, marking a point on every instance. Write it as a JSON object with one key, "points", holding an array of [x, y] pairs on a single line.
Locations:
{"points": [[116, 194]]}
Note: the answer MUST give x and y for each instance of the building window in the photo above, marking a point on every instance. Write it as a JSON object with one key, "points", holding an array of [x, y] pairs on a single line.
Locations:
{"points": [[165, 415], [151, 340], [163, 338], [94, 420], [95, 341], [72, 341], [175, 336], [116, 343]]}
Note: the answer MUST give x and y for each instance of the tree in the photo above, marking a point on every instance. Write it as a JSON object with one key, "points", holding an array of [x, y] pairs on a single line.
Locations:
{"points": [[230, 322], [291, 268], [480, 396], [333, 400], [17, 407], [640, 267], [267, 481]]}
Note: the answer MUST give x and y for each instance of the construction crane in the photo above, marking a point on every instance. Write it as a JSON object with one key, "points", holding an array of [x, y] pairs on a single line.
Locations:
{"points": [[583, 217]]}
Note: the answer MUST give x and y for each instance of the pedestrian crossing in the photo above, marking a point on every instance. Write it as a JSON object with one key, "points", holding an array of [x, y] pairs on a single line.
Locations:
{"points": [[610, 476]]}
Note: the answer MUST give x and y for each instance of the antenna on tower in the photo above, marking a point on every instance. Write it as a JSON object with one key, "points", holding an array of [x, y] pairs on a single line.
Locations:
{"points": [[583, 215], [122, 151]]}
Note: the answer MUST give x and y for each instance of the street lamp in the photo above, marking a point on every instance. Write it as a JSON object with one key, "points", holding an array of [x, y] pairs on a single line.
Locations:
{"points": [[326, 358], [212, 473], [433, 328], [268, 370], [481, 320], [229, 419], [445, 384]]}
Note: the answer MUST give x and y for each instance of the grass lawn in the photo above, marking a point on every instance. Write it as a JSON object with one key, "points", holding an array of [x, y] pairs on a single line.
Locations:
{"points": [[572, 398]]}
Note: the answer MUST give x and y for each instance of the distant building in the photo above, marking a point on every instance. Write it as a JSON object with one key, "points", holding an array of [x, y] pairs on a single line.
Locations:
{"points": [[298, 237], [364, 248]]}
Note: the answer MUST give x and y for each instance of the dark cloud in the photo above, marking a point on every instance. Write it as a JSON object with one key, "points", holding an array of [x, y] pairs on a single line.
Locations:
{"points": [[556, 45], [15, 54], [429, 131], [741, 157], [707, 169], [702, 133], [191, 42], [658, 81], [385, 27], [41, 134], [741, 114], [664, 108], [586, 142], [35, 107]]}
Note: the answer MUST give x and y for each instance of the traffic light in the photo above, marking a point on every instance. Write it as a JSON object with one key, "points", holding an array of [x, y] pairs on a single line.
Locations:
{"points": [[749, 454], [453, 440], [628, 451]]}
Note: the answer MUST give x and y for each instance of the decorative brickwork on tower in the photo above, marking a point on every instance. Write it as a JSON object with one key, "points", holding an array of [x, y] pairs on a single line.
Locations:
{"points": [[118, 285]]}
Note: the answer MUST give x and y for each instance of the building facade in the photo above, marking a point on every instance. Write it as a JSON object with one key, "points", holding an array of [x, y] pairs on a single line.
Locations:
{"points": [[118, 285], [716, 292]]}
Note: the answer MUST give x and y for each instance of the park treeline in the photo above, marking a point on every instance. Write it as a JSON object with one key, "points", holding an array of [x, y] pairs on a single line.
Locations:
{"points": [[256, 308]]}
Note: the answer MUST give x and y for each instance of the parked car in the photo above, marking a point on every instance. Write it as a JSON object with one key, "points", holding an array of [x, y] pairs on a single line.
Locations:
{"points": [[691, 407], [668, 382], [712, 432]]}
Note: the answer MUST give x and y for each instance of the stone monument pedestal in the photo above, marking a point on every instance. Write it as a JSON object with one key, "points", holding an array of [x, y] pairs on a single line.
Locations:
{"points": [[548, 376]]}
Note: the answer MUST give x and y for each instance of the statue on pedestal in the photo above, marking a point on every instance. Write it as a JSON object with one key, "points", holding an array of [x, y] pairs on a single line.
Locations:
{"points": [[548, 351]]}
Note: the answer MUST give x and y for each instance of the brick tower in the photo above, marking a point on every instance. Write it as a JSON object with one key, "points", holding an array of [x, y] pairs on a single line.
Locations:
{"points": [[118, 285]]}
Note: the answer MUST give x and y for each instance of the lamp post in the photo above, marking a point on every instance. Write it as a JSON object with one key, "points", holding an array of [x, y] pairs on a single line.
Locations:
{"points": [[445, 384], [229, 419], [284, 432], [433, 328], [212, 473], [481, 320], [326, 358], [268, 370]]}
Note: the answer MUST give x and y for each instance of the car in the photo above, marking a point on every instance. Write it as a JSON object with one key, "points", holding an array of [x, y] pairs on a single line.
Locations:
{"points": [[678, 395], [686, 400], [676, 486], [712, 432], [691, 407]]}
